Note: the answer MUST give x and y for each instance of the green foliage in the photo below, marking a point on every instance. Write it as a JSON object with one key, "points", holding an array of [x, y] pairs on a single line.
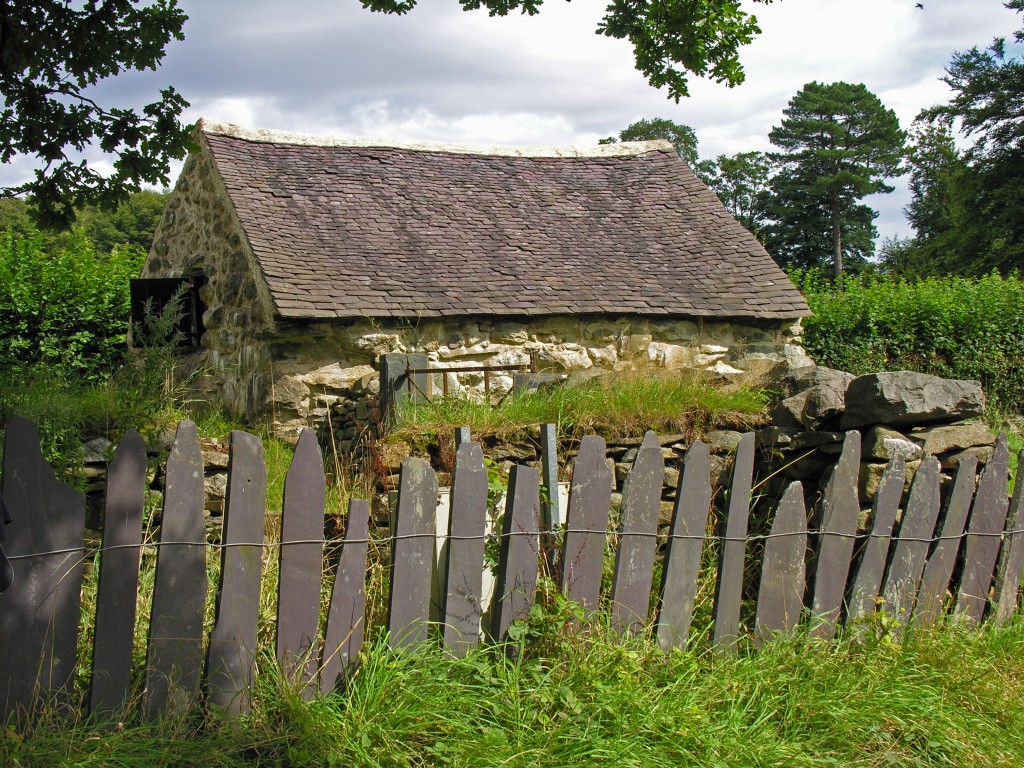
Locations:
{"points": [[624, 404], [741, 182], [53, 52], [682, 137], [966, 205], [949, 697], [955, 327], [671, 39], [839, 143], [68, 308], [132, 222]]}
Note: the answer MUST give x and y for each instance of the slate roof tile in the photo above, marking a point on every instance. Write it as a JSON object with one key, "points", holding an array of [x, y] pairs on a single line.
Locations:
{"points": [[379, 231]]}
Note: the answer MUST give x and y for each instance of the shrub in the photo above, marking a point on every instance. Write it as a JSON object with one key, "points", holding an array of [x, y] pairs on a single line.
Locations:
{"points": [[955, 327], [67, 308]]}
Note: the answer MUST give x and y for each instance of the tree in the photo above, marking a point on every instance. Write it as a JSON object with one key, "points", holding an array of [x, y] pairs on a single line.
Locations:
{"points": [[741, 182], [839, 145], [51, 52], [670, 38], [682, 137], [984, 187]]}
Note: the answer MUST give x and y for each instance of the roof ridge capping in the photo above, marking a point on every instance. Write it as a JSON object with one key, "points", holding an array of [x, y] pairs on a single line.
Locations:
{"points": [[266, 136]]}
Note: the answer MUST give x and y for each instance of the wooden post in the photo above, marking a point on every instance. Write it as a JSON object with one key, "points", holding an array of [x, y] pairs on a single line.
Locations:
{"points": [[867, 583], [589, 506], [1011, 557], [937, 572], [780, 599], [39, 612], [467, 527], [988, 516], [517, 561], [346, 622], [913, 542], [550, 514]]}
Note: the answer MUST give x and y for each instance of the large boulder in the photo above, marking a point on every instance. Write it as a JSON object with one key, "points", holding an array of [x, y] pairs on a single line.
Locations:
{"points": [[904, 397]]}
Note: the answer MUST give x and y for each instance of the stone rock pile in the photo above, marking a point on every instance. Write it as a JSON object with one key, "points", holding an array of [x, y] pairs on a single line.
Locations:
{"points": [[896, 412]]}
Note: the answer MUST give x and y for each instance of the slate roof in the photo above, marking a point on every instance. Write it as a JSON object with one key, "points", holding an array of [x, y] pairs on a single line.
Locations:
{"points": [[347, 229]]}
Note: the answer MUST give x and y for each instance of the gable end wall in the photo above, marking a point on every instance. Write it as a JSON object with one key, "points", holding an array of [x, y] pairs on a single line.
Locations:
{"points": [[200, 232]]}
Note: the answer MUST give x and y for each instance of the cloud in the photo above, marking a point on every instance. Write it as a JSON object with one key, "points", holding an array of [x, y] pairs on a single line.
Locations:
{"points": [[438, 73]]}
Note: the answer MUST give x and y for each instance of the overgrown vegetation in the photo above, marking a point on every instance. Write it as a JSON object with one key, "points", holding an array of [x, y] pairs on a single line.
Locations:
{"points": [[626, 404], [948, 697], [65, 307], [955, 327]]}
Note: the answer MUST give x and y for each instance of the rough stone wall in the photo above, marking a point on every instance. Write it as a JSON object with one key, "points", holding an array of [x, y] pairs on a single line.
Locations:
{"points": [[200, 233], [321, 367]]}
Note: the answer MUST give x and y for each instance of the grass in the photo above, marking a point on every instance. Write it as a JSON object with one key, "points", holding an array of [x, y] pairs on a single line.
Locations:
{"points": [[947, 697], [625, 405]]}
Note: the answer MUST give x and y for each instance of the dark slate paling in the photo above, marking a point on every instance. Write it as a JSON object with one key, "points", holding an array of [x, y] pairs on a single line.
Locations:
{"points": [[939, 569], [519, 555], [840, 511], [117, 592], [467, 525], [346, 618], [634, 559], [729, 591], [301, 566], [780, 598], [867, 583], [549, 511], [988, 516], [231, 656], [174, 659], [1011, 557], [590, 497], [682, 555], [912, 542], [412, 555], [39, 612]]}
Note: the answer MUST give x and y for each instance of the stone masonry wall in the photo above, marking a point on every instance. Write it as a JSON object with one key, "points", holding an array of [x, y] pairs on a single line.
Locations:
{"points": [[200, 233], [321, 367]]}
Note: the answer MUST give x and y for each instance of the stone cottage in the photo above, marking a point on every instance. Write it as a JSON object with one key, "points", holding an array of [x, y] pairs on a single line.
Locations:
{"points": [[310, 257]]}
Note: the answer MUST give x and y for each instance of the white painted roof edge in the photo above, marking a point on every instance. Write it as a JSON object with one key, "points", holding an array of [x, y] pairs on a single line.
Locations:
{"points": [[266, 136]]}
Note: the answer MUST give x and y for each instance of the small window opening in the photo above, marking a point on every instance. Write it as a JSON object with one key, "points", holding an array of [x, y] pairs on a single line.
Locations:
{"points": [[163, 308]]}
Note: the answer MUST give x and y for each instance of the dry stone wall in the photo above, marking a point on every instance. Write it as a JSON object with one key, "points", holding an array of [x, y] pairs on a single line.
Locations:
{"points": [[325, 368]]}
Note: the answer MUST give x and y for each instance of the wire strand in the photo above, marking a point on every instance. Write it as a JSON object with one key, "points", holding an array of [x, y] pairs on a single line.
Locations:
{"points": [[493, 536]]}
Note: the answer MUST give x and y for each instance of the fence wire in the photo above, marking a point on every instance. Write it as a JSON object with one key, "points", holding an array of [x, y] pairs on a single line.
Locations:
{"points": [[87, 551]]}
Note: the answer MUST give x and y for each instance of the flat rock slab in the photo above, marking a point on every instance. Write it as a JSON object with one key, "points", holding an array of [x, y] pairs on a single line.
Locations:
{"points": [[780, 598], [904, 397], [231, 655], [174, 659], [952, 437], [39, 613]]}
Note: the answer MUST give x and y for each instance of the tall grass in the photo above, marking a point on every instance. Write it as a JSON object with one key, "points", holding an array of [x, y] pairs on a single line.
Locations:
{"points": [[626, 404], [947, 697]]}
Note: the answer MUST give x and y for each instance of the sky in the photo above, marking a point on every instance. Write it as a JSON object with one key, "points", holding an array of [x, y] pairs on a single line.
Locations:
{"points": [[441, 74]]}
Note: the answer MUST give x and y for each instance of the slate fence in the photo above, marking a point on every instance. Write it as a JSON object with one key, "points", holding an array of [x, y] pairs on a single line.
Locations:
{"points": [[965, 556]]}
